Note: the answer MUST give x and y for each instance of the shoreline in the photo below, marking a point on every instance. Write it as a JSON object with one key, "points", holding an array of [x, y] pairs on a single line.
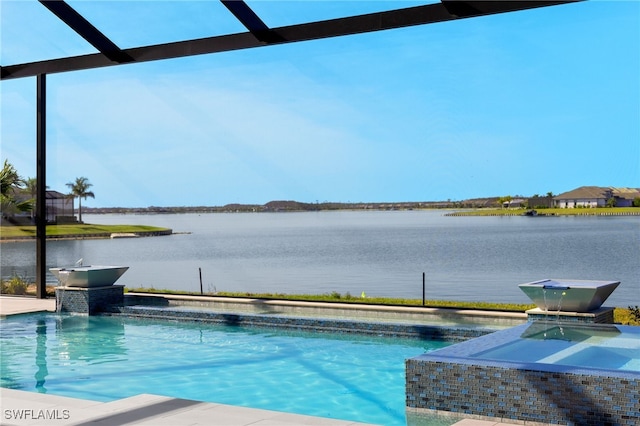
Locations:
{"points": [[447, 211], [91, 236], [136, 233], [554, 213]]}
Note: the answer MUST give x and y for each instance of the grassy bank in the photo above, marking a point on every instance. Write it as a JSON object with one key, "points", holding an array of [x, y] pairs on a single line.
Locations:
{"points": [[79, 231], [603, 211]]}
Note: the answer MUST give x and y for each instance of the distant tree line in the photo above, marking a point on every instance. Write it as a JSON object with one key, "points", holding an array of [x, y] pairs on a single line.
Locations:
{"points": [[18, 195], [294, 206]]}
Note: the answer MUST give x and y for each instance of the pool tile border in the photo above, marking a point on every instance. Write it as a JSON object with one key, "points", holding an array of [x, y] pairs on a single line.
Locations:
{"points": [[320, 325]]}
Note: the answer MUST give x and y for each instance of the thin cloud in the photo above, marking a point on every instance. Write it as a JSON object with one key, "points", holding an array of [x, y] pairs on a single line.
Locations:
{"points": [[515, 103]]}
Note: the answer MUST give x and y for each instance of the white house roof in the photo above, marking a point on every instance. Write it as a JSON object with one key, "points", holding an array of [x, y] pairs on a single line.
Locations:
{"points": [[585, 192]]}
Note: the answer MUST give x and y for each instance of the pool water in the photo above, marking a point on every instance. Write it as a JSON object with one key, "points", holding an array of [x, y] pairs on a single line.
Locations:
{"points": [[596, 346], [350, 377]]}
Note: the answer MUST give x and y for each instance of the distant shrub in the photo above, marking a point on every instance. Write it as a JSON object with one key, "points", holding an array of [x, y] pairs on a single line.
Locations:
{"points": [[15, 285]]}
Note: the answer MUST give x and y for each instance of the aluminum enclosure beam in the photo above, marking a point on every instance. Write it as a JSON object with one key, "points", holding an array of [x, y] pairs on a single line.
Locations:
{"points": [[41, 186], [398, 18], [86, 30], [251, 21]]}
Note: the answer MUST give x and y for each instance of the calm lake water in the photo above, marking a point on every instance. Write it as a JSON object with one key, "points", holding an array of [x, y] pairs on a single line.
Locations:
{"points": [[382, 253]]}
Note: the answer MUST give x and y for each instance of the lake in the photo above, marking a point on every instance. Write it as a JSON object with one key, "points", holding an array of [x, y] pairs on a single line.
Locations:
{"points": [[381, 253]]}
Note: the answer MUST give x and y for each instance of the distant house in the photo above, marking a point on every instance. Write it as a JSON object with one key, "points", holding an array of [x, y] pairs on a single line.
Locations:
{"points": [[596, 196], [515, 203], [59, 207], [624, 196], [585, 196]]}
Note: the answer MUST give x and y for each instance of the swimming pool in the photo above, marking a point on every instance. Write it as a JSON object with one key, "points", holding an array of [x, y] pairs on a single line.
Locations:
{"points": [[349, 377]]}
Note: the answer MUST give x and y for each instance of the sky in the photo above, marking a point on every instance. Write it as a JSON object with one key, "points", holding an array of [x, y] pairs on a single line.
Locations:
{"points": [[522, 103]]}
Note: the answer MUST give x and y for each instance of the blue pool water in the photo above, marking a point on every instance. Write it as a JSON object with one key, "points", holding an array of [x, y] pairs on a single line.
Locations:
{"points": [[349, 377], [608, 347]]}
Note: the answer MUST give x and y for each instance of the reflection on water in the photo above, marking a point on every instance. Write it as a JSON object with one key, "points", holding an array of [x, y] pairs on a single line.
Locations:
{"points": [[379, 253], [545, 330], [590, 346], [76, 343], [34, 343], [41, 355]]}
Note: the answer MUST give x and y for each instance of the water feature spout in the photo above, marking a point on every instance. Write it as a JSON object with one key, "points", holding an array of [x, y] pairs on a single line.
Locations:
{"points": [[569, 295], [556, 287], [63, 278], [564, 293]]}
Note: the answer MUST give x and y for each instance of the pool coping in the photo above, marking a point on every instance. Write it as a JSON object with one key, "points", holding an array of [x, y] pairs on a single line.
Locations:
{"points": [[355, 307], [23, 408], [17, 305], [156, 410], [13, 305]]}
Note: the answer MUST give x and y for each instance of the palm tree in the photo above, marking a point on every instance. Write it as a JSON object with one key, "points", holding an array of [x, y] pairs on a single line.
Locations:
{"points": [[31, 187], [80, 189], [10, 184], [505, 199], [508, 199]]}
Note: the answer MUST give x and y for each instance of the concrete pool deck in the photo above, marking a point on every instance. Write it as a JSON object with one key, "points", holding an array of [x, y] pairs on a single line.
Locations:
{"points": [[30, 409], [14, 305]]}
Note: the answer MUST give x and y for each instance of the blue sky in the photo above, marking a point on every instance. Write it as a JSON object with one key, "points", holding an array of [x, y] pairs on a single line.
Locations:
{"points": [[514, 104]]}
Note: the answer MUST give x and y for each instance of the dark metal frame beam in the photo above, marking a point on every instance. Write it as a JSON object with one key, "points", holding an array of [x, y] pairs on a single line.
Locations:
{"points": [[86, 30], [251, 21], [386, 20], [41, 186]]}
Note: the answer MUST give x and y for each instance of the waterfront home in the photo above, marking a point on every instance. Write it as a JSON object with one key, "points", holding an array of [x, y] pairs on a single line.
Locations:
{"points": [[59, 209], [596, 196]]}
